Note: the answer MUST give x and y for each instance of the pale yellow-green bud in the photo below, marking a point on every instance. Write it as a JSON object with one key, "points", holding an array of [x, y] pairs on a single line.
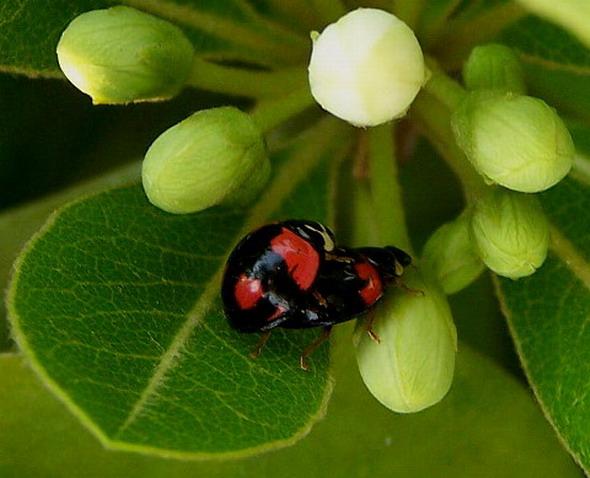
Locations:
{"points": [[494, 67], [366, 68], [412, 367], [511, 232], [122, 55], [451, 255], [215, 156], [516, 141]]}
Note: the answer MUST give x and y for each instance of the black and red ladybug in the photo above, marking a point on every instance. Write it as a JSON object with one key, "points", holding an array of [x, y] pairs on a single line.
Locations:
{"points": [[292, 274]]}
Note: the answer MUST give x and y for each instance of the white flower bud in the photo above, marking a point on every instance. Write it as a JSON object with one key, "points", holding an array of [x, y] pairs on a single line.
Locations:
{"points": [[215, 156], [513, 140], [366, 68], [122, 55], [511, 232], [412, 367]]}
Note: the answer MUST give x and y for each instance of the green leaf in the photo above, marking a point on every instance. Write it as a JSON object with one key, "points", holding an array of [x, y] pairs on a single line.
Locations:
{"points": [[488, 426], [573, 15], [557, 65], [548, 314], [19, 224], [117, 304], [227, 30]]}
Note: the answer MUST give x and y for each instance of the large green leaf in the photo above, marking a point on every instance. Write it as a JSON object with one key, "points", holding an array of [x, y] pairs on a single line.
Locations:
{"points": [[488, 426], [19, 224], [229, 30], [557, 65], [549, 316], [574, 15], [117, 304]]}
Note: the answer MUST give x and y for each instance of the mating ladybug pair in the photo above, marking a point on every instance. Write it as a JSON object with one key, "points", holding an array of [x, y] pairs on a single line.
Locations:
{"points": [[292, 274]]}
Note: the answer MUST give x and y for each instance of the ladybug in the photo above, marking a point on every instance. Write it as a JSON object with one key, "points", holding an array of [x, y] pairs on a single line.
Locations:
{"points": [[291, 274]]}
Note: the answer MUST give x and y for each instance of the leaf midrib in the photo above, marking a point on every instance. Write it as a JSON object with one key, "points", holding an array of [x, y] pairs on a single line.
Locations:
{"points": [[322, 137]]}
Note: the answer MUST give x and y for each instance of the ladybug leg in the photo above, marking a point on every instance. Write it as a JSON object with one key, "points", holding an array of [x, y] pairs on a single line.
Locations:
{"points": [[369, 326], [263, 338], [313, 346], [399, 282]]}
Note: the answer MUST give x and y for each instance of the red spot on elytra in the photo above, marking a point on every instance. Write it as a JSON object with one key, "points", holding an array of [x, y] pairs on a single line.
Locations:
{"points": [[248, 291], [302, 259], [373, 289]]}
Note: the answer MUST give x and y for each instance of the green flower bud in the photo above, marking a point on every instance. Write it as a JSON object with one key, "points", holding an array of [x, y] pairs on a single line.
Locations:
{"points": [[366, 68], [451, 255], [516, 141], [511, 232], [215, 156], [412, 366], [121, 55], [494, 67]]}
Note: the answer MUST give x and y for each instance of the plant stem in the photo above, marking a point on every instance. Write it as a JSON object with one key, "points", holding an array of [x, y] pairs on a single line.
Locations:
{"points": [[385, 189], [270, 113], [432, 111], [442, 87], [242, 82], [286, 48]]}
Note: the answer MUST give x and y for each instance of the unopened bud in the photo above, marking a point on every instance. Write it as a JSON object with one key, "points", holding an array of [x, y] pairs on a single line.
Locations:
{"points": [[511, 232], [494, 67], [215, 156], [516, 141], [122, 55], [451, 255], [412, 366], [366, 68]]}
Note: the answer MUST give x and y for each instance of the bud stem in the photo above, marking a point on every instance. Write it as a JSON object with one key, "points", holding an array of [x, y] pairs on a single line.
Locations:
{"points": [[273, 42], [271, 112], [385, 188], [432, 110], [242, 82]]}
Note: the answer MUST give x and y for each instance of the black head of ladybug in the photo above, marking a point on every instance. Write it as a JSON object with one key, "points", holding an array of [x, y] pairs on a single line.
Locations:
{"points": [[389, 260]]}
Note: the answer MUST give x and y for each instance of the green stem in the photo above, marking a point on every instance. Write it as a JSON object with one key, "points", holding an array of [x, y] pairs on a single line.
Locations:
{"points": [[458, 38], [442, 87], [241, 82], [286, 48], [432, 110], [385, 189], [270, 113]]}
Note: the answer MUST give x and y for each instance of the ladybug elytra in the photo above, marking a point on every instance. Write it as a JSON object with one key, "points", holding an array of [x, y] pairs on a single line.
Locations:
{"points": [[291, 274]]}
